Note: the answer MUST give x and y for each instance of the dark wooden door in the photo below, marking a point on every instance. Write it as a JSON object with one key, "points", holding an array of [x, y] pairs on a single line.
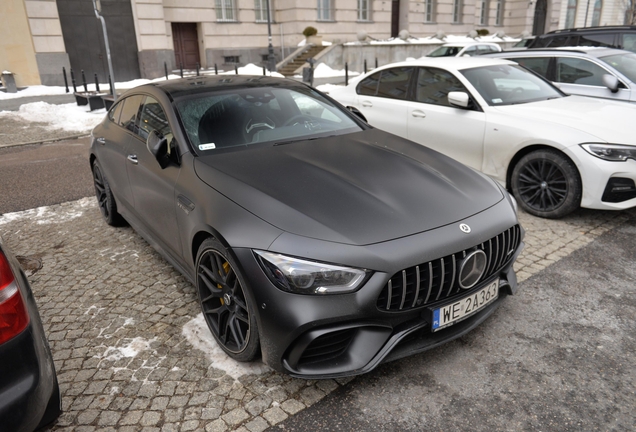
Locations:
{"points": [[84, 39], [186, 44]]}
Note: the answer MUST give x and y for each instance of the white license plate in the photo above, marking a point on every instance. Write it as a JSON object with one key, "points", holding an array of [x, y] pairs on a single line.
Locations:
{"points": [[457, 311]]}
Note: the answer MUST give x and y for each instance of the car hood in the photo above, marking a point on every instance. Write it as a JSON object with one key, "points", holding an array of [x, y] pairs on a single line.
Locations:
{"points": [[606, 121], [359, 188]]}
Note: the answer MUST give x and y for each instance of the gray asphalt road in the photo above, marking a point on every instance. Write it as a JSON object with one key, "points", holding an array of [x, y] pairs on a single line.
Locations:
{"points": [[44, 174], [14, 104], [560, 356]]}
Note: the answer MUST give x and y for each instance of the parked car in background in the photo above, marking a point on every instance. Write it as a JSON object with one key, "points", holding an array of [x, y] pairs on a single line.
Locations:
{"points": [[313, 239], [524, 42], [29, 393], [621, 37], [459, 49], [597, 72], [554, 152]]}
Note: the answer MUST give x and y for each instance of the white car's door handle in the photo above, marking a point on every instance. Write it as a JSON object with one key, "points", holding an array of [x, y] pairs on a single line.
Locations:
{"points": [[133, 158], [418, 113], [366, 104]]}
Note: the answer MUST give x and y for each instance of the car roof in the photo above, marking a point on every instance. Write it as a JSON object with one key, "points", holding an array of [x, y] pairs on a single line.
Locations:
{"points": [[465, 44], [176, 88], [591, 51], [600, 29], [454, 62]]}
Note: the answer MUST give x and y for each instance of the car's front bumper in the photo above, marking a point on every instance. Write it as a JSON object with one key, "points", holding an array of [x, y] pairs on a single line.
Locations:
{"points": [[326, 336]]}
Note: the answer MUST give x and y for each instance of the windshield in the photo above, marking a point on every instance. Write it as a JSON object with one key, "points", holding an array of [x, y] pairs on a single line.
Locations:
{"points": [[247, 116], [624, 63], [445, 51], [509, 85]]}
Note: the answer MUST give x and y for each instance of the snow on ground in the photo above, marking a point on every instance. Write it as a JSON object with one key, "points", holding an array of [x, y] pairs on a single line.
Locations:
{"points": [[198, 334], [252, 69], [326, 88], [52, 214], [68, 117], [324, 71]]}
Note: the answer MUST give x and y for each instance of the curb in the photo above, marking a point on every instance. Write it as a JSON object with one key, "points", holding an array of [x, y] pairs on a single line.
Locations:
{"points": [[45, 141]]}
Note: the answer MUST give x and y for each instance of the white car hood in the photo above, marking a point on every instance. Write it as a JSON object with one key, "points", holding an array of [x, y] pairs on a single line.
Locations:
{"points": [[606, 121]]}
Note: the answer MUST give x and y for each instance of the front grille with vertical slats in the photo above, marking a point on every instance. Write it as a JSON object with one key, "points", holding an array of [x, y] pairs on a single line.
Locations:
{"points": [[438, 279]]}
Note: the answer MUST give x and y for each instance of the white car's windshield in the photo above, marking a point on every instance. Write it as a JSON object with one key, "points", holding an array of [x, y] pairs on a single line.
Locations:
{"points": [[624, 63], [509, 85], [247, 116]]}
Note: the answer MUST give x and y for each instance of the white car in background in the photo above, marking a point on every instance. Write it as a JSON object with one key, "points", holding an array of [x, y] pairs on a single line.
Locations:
{"points": [[554, 152], [468, 49]]}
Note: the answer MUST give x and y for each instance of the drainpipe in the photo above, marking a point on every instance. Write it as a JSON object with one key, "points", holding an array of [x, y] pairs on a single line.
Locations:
{"points": [[98, 8]]}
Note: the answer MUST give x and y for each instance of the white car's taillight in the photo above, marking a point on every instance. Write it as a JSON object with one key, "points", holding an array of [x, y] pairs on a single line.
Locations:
{"points": [[13, 314]]}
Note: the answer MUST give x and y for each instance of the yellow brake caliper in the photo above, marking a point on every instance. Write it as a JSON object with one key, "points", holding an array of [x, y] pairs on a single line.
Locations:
{"points": [[226, 269]]}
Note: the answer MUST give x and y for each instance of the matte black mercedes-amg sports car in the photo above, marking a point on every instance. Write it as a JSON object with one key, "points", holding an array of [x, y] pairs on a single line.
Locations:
{"points": [[313, 239]]}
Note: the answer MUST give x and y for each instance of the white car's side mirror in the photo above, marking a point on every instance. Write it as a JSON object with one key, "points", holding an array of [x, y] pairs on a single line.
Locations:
{"points": [[458, 99], [611, 82]]}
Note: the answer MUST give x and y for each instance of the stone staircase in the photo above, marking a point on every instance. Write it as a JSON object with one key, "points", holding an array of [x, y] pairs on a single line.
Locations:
{"points": [[290, 68]]}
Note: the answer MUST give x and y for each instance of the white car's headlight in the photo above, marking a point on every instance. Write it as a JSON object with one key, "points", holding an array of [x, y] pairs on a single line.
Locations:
{"points": [[309, 277], [611, 152]]}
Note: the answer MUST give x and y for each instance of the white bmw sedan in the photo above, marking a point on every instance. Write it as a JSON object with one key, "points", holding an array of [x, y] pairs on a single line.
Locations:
{"points": [[555, 152]]}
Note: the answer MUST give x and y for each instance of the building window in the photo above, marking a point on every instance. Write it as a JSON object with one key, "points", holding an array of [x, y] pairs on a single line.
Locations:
{"points": [[364, 10], [483, 12], [231, 59], [457, 11], [596, 15], [225, 10], [429, 11], [260, 10], [324, 10], [499, 12], [570, 13]]}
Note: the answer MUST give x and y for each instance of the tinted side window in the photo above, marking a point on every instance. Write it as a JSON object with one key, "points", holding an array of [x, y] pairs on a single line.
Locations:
{"points": [[579, 71], [369, 85], [629, 42], [597, 40], [394, 83], [471, 51], [153, 117], [433, 86], [538, 64], [562, 40], [129, 113], [114, 113]]}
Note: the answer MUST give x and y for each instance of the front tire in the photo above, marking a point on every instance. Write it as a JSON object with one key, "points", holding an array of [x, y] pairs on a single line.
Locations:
{"points": [[228, 312], [547, 184], [105, 198]]}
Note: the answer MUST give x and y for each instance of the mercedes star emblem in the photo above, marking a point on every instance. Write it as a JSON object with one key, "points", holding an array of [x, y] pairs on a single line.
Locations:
{"points": [[465, 228], [472, 268]]}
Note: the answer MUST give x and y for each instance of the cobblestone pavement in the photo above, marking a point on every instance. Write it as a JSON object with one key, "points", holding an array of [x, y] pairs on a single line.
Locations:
{"points": [[130, 348]]}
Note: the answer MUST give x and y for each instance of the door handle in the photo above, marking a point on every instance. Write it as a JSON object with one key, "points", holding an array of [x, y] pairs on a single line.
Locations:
{"points": [[133, 158], [418, 113], [101, 140], [366, 104]]}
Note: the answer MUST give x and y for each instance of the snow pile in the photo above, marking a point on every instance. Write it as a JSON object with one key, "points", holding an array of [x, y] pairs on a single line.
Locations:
{"points": [[198, 334], [131, 350], [326, 88], [252, 69], [304, 42], [68, 117], [59, 213], [435, 41], [324, 71]]}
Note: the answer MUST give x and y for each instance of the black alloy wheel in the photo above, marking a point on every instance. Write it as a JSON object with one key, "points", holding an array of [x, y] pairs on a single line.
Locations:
{"points": [[226, 309], [105, 198], [547, 184]]}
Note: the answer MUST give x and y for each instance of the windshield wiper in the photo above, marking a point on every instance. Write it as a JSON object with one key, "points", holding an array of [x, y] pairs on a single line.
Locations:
{"points": [[301, 139]]}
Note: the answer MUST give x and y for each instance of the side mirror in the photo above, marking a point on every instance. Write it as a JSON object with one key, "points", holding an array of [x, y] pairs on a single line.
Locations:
{"points": [[611, 82], [158, 146], [358, 113], [458, 99]]}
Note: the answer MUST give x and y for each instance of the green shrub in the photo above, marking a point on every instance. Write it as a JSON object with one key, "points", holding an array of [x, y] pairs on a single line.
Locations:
{"points": [[310, 31], [483, 32]]}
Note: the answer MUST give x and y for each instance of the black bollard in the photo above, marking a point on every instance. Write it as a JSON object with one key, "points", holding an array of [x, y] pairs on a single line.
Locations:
{"points": [[264, 74], [376, 62], [236, 69], [84, 81], [165, 69], [96, 84], [365, 65], [216, 70], [73, 81], [346, 73], [110, 83], [65, 79], [197, 69], [181, 69]]}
